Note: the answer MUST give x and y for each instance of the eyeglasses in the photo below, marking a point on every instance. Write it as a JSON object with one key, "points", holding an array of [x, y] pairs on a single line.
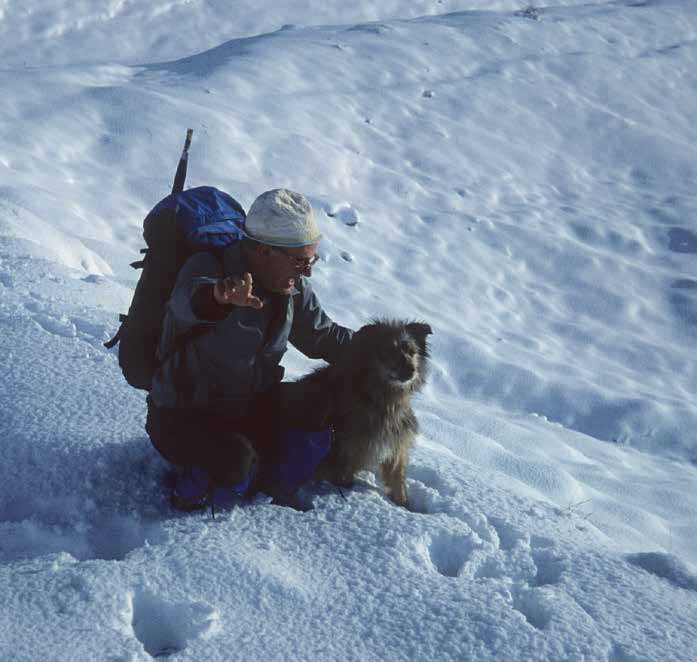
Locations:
{"points": [[301, 264]]}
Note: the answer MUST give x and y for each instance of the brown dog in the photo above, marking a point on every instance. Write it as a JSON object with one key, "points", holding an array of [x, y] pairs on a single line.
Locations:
{"points": [[366, 398]]}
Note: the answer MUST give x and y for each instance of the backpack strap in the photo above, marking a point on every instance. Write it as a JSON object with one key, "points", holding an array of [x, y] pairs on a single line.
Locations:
{"points": [[195, 331], [181, 340], [115, 340]]}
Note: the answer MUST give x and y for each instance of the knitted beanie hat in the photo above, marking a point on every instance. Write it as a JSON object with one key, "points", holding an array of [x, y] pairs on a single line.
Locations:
{"points": [[282, 218]]}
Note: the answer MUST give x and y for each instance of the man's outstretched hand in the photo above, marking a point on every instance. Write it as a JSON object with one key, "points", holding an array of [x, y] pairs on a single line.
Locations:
{"points": [[236, 291]]}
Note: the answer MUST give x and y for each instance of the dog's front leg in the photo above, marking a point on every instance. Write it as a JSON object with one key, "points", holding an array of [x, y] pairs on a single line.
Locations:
{"points": [[394, 476]]}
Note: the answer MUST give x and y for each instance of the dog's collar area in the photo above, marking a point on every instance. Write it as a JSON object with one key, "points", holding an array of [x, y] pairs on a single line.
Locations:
{"points": [[403, 384]]}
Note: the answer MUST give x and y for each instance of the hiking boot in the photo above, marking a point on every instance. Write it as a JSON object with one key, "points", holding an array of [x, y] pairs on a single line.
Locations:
{"points": [[197, 487], [236, 484], [192, 490]]}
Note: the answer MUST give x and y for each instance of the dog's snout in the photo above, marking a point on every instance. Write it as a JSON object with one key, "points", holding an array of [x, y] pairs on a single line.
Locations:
{"points": [[406, 372]]}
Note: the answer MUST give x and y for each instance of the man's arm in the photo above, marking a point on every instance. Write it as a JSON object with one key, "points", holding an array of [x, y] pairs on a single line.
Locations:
{"points": [[313, 332], [199, 274], [215, 302], [202, 295]]}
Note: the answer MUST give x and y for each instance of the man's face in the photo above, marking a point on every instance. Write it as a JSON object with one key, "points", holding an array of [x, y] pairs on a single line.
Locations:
{"points": [[283, 266]]}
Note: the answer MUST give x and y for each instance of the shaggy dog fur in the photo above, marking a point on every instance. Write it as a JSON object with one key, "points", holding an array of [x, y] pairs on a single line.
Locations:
{"points": [[366, 398]]}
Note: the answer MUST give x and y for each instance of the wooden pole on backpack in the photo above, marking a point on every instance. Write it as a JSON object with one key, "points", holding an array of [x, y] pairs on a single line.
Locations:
{"points": [[180, 176]]}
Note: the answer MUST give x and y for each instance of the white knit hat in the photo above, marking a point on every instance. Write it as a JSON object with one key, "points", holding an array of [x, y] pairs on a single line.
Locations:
{"points": [[282, 218]]}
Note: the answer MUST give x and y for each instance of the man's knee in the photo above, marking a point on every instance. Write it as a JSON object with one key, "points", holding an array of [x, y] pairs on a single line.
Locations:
{"points": [[164, 429]]}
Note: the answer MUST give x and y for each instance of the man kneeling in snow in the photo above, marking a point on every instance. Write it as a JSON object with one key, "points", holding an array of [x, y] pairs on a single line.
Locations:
{"points": [[211, 408]]}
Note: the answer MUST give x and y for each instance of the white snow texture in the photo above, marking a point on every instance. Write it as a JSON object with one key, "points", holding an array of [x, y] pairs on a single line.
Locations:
{"points": [[523, 178]]}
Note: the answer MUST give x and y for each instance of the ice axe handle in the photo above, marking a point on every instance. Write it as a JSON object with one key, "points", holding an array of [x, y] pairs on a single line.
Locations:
{"points": [[180, 176]]}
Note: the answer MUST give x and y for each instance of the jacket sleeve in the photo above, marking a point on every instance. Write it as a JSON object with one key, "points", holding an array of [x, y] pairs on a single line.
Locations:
{"points": [[313, 332], [200, 270]]}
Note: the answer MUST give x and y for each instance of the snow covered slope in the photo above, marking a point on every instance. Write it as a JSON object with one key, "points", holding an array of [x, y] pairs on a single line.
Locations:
{"points": [[522, 179]]}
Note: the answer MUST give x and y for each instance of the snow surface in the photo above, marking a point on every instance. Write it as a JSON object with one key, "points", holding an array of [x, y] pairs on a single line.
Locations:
{"points": [[523, 179]]}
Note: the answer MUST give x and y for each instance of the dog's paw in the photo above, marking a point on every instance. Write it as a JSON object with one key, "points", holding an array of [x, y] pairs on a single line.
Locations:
{"points": [[399, 498]]}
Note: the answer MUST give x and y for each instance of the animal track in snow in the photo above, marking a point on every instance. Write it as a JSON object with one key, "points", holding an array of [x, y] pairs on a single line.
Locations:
{"points": [[533, 605], [550, 567], [508, 535], [431, 494], [426, 489], [527, 569], [449, 553], [446, 552], [165, 628], [493, 549], [432, 478]]}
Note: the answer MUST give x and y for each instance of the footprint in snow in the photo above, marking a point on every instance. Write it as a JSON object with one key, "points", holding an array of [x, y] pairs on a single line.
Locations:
{"points": [[66, 327], [43, 316], [432, 494], [165, 628], [57, 326], [665, 566], [535, 606], [531, 564], [550, 567], [531, 13], [94, 278], [117, 536], [494, 548], [90, 331], [371, 28], [432, 478], [446, 552], [31, 536], [509, 536], [345, 213]]}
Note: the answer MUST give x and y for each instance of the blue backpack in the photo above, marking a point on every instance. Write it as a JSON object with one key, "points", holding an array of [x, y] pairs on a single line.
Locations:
{"points": [[183, 223]]}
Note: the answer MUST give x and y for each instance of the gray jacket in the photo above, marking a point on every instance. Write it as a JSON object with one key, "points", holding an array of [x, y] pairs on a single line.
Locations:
{"points": [[224, 365]]}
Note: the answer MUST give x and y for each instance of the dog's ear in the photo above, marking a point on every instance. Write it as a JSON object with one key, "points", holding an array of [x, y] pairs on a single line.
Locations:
{"points": [[363, 335], [418, 331]]}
